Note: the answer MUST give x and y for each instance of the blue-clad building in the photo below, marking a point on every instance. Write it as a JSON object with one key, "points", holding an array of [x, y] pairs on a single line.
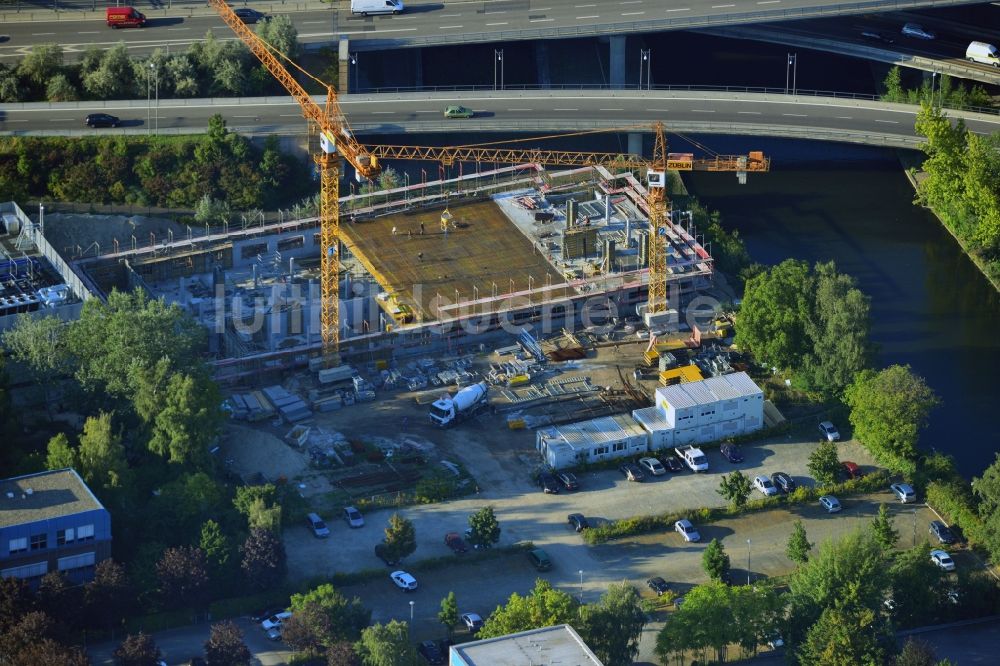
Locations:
{"points": [[50, 521]]}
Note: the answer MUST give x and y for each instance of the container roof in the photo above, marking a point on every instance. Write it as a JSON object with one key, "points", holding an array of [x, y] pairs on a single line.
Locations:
{"points": [[707, 391]]}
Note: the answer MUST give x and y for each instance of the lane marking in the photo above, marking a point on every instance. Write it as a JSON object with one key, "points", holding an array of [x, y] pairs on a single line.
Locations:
{"points": [[313, 22], [659, 110], [504, 23], [519, 109], [891, 122], [722, 6], [245, 116], [565, 109], [632, 13], [749, 113], [427, 112], [541, 20], [632, 2], [768, 2], [177, 29], [381, 112], [450, 15], [450, 27], [582, 6], [88, 33], [42, 34], [61, 120], [702, 110], [795, 115], [611, 109], [844, 117], [583, 18], [291, 115], [683, 9]]}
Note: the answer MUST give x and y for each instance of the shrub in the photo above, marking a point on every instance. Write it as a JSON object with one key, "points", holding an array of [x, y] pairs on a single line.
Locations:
{"points": [[953, 500], [435, 487]]}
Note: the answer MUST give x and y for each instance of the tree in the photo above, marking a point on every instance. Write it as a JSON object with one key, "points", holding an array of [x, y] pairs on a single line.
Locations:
{"points": [[59, 453], [260, 505], [218, 550], [41, 63], [183, 576], [824, 464], [10, 87], [543, 607], [137, 650], [485, 528], [400, 538], [39, 343], [307, 630], [343, 618], [735, 488], [889, 408], [101, 454], [16, 599], [342, 654], [189, 422], [715, 561], [448, 615], [106, 597], [612, 627], [280, 34], [847, 635], [225, 646], [113, 78], [987, 490], [798, 546], [60, 600], [893, 85], [60, 89], [263, 559], [772, 318], [212, 211], [916, 652], [882, 530], [386, 645], [35, 638]]}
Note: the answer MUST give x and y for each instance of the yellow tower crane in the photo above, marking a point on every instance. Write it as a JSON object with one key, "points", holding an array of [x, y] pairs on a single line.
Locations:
{"points": [[336, 137]]}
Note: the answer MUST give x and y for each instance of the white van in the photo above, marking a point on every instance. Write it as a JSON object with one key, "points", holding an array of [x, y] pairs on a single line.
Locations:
{"points": [[984, 53], [367, 7]]}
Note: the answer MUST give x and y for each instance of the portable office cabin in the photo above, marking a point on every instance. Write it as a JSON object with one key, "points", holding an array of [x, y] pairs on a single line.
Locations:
{"points": [[652, 420], [599, 439], [712, 409]]}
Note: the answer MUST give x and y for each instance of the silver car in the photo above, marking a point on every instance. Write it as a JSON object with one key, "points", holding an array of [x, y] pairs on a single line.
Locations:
{"points": [[917, 31]]}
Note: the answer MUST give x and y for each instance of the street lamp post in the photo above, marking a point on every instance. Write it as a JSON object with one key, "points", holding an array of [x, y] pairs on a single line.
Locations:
{"points": [[406, 192], [411, 612], [645, 64], [581, 585], [791, 71], [748, 561], [354, 61], [934, 81], [149, 107], [497, 62], [156, 87]]}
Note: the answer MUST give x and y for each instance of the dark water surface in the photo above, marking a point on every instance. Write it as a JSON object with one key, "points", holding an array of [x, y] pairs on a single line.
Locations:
{"points": [[931, 307]]}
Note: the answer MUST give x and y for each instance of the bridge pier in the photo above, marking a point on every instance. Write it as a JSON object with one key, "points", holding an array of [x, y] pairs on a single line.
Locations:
{"points": [[542, 63], [617, 61], [344, 62], [418, 69], [635, 143]]}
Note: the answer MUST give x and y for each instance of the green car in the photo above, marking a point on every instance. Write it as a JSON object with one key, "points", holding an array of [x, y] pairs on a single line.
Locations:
{"points": [[457, 112]]}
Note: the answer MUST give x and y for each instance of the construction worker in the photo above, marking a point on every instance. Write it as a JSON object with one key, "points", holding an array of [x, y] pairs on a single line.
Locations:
{"points": [[394, 231], [421, 228]]}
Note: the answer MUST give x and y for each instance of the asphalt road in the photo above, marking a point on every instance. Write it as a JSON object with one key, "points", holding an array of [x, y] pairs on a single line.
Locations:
{"points": [[427, 22], [858, 121]]}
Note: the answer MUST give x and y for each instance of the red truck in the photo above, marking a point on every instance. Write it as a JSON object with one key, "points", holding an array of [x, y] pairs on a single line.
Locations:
{"points": [[124, 17]]}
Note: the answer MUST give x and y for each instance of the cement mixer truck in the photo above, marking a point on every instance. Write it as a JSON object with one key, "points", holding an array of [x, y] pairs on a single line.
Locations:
{"points": [[450, 410]]}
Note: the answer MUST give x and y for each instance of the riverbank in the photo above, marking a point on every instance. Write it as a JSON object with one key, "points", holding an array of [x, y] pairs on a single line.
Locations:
{"points": [[911, 167]]}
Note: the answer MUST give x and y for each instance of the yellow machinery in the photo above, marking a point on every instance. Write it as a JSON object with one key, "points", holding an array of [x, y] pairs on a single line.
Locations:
{"points": [[336, 137]]}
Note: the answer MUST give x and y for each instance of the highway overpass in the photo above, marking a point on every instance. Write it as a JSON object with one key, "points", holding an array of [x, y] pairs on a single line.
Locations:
{"points": [[424, 23], [815, 116]]}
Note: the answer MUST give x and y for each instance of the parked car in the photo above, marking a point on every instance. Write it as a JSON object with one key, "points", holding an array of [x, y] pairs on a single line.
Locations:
{"points": [[632, 472], [382, 553], [942, 532], [318, 527], [472, 621], [764, 485], [456, 543], [775, 642], [458, 112], [653, 466], [731, 452], [540, 559], [658, 585], [852, 470], [577, 521], [101, 120], [686, 530], [353, 517], [251, 16], [830, 503], [904, 492], [917, 31], [275, 620], [274, 633], [943, 560], [829, 432], [876, 36], [261, 615], [548, 483], [403, 580], [783, 482], [672, 463], [568, 480], [431, 653]]}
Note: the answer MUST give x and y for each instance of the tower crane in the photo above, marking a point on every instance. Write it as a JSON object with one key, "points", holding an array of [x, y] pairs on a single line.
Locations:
{"points": [[336, 137]]}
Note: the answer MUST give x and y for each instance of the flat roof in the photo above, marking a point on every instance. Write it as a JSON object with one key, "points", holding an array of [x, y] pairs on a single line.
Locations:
{"points": [[549, 646], [44, 495], [707, 391], [482, 250]]}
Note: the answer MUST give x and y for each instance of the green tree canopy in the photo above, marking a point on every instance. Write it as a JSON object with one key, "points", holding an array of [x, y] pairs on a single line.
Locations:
{"points": [[798, 546], [386, 645], [60, 454], [448, 615], [882, 529], [101, 455], [41, 63], [824, 463], [715, 561], [345, 617], [889, 408], [189, 422], [914, 583], [735, 488], [485, 527], [400, 538], [544, 606], [612, 627], [846, 635]]}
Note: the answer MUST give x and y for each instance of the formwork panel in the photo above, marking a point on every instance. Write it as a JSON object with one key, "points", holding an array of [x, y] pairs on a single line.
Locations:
{"points": [[482, 249]]}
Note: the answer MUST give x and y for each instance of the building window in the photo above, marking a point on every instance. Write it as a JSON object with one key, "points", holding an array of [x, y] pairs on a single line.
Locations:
{"points": [[65, 536], [27, 571], [18, 545], [39, 541], [85, 533], [76, 561], [619, 446], [600, 450]]}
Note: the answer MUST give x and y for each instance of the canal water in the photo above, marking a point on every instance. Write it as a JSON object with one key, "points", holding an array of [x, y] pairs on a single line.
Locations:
{"points": [[931, 307]]}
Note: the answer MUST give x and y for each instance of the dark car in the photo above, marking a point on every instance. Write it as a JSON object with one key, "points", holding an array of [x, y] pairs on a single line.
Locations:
{"points": [[632, 472], [197, 661], [431, 653], [672, 463], [248, 15], [731, 452], [658, 585], [783, 482], [548, 483], [568, 480], [381, 553], [101, 120], [578, 521], [942, 532], [876, 36], [455, 542]]}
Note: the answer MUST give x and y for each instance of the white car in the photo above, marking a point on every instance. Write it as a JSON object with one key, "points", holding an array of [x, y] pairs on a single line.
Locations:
{"points": [[830, 503], [403, 580], [904, 492], [764, 485], [917, 31], [275, 620], [687, 530], [943, 560], [653, 466], [829, 432]]}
